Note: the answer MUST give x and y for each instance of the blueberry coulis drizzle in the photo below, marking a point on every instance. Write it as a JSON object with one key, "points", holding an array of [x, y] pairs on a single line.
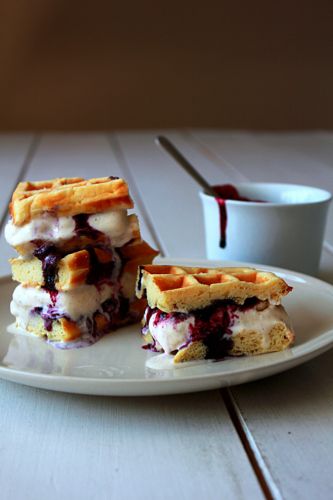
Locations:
{"points": [[49, 256], [83, 228], [212, 325], [99, 271], [48, 315], [223, 193], [139, 284]]}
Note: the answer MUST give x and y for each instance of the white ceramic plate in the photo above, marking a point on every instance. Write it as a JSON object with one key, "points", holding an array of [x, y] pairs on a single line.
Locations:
{"points": [[117, 366]]}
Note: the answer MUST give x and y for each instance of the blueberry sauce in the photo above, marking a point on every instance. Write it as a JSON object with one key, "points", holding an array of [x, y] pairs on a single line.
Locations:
{"points": [[83, 228], [117, 310], [49, 256], [223, 193], [123, 308], [99, 271], [212, 325], [139, 284], [48, 315], [148, 314], [114, 310], [151, 346], [111, 306], [48, 324]]}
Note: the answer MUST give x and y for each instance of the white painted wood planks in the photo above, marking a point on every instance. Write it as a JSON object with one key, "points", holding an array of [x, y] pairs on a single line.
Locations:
{"points": [[70, 446], [290, 419], [168, 193], [16, 151]]}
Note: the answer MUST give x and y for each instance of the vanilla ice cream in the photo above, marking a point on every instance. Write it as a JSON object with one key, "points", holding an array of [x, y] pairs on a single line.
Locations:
{"points": [[115, 224], [171, 334], [82, 301]]}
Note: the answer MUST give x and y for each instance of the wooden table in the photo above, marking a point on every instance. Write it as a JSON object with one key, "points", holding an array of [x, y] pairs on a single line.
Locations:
{"points": [[269, 438]]}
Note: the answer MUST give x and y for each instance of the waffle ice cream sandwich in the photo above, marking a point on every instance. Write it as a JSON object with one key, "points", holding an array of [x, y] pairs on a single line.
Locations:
{"points": [[79, 251], [198, 313], [71, 213]]}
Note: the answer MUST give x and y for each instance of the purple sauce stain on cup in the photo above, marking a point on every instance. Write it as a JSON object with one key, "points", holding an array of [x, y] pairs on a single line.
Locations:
{"points": [[226, 192]]}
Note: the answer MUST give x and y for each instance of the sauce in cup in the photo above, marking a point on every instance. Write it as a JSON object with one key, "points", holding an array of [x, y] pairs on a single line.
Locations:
{"points": [[226, 192]]}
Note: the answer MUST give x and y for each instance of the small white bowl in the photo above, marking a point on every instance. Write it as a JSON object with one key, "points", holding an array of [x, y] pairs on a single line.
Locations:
{"points": [[286, 231]]}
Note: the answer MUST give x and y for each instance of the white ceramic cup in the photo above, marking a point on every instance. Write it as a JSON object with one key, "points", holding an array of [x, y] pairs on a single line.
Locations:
{"points": [[287, 231]]}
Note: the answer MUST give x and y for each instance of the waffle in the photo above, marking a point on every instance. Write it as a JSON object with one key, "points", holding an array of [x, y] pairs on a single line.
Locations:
{"points": [[134, 254], [177, 288], [72, 270], [68, 197], [76, 268]]}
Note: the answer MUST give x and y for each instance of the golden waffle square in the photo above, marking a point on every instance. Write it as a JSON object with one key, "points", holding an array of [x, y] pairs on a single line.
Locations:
{"points": [[78, 268], [177, 288], [68, 197], [68, 272]]}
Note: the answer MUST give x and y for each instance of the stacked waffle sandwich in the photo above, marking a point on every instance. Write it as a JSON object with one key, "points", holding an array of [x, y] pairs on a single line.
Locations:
{"points": [[79, 251], [197, 313]]}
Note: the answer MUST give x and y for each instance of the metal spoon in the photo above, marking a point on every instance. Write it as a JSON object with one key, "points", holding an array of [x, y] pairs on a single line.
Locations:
{"points": [[183, 162]]}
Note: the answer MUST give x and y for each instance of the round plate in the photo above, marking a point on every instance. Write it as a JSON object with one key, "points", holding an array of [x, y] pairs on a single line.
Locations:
{"points": [[117, 366]]}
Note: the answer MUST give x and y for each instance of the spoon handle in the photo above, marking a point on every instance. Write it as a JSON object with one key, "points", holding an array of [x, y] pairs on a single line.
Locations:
{"points": [[183, 162]]}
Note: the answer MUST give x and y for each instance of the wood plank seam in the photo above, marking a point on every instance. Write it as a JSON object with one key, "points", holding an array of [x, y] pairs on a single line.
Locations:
{"points": [[25, 165], [328, 247], [117, 150], [212, 156], [269, 487]]}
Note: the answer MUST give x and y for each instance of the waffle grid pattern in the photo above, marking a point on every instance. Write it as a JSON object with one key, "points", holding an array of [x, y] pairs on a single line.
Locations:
{"points": [[68, 197], [172, 288]]}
